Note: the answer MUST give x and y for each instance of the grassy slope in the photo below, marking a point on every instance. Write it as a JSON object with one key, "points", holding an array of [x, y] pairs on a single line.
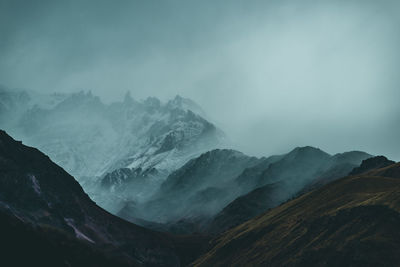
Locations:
{"points": [[352, 221]]}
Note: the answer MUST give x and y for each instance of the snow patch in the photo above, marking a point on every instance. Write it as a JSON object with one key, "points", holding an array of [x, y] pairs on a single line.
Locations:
{"points": [[78, 233], [35, 184]]}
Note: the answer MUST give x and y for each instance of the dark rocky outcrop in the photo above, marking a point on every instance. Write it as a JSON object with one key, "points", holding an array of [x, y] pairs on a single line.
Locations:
{"points": [[372, 163]]}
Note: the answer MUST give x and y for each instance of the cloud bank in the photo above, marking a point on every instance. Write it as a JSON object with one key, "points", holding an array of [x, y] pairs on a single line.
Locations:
{"points": [[272, 74]]}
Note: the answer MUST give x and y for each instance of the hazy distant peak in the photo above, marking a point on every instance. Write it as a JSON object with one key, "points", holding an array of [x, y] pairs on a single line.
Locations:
{"points": [[306, 153], [353, 152], [222, 153], [128, 99], [216, 156], [354, 157], [186, 104], [307, 150], [178, 98], [81, 98], [153, 102], [83, 94]]}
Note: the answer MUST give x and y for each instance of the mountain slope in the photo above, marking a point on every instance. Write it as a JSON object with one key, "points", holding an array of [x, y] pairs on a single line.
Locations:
{"points": [[212, 168], [246, 207], [46, 246], [44, 201], [342, 164], [223, 188], [96, 142], [200, 188], [297, 172], [351, 222], [295, 168]]}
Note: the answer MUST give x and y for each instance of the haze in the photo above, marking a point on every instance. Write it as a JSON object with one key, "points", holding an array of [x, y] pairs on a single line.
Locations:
{"points": [[272, 74]]}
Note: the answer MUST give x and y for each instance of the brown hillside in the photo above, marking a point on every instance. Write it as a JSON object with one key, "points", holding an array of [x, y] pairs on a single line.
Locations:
{"points": [[351, 222]]}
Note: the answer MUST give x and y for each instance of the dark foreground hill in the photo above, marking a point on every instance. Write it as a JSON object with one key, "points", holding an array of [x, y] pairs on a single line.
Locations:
{"points": [[46, 219], [353, 221]]}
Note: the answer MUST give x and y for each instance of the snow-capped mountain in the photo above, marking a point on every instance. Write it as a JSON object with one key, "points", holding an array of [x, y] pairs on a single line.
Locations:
{"points": [[161, 136], [111, 142]]}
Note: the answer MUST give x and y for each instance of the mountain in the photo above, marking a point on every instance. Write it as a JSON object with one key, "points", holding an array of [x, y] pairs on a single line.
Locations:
{"points": [[372, 163], [105, 146], [223, 188], [301, 168], [295, 168], [352, 222], [299, 171], [246, 207], [199, 188], [250, 174], [47, 218], [342, 164], [213, 168]]}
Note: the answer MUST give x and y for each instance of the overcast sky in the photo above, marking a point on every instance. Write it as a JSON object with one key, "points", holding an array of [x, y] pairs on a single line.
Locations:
{"points": [[272, 74]]}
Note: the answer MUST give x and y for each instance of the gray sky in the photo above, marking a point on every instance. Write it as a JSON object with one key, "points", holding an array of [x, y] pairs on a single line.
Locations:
{"points": [[272, 74]]}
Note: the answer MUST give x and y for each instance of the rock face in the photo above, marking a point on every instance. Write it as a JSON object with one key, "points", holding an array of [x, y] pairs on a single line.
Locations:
{"points": [[372, 163], [42, 204], [352, 222], [92, 140]]}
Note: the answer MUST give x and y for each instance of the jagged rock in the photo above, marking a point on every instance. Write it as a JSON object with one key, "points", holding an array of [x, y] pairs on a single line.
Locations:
{"points": [[372, 163]]}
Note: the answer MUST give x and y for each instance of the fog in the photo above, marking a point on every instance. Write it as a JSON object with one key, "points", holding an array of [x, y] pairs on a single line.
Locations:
{"points": [[272, 74]]}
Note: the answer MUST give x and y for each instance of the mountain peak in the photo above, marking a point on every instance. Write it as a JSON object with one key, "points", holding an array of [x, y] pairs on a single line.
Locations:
{"points": [[153, 102], [307, 151], [372, 163], [306, 148], [185, 104], [178, 98], [81, 98], [354, 157], [128, 98]]}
